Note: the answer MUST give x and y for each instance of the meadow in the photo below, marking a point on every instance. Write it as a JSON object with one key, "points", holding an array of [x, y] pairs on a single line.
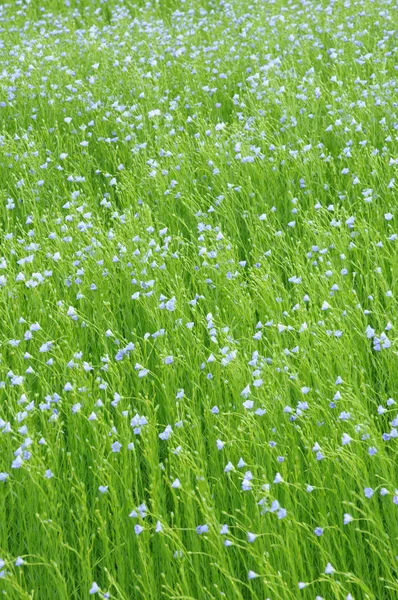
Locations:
{"points": [[198, 299]]}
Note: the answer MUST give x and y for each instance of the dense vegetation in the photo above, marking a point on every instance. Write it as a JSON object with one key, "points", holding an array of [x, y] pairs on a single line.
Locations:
{"points": [[198, 300]]}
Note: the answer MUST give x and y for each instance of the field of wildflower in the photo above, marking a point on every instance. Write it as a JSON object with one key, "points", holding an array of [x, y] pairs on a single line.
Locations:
{"points": [[198, 299]]}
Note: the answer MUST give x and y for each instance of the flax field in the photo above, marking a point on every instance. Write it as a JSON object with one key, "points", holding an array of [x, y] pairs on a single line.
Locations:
{"points": [[198, 299]]}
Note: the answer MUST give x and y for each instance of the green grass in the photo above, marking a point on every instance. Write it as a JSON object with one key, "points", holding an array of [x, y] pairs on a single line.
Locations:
{"points": [[232, 201]]}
